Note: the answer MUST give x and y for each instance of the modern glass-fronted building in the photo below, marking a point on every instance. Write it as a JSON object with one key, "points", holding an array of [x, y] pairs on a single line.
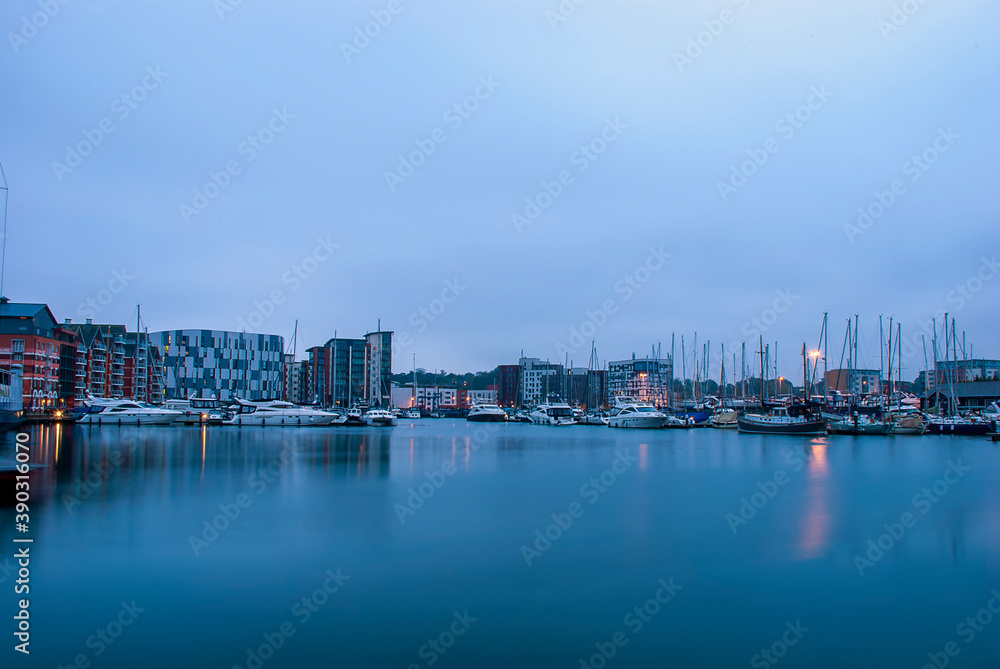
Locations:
{"points": [[226, 364]]}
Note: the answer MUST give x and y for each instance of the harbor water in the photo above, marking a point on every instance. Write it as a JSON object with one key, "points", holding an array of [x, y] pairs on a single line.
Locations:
{"points": [[451, 544]]}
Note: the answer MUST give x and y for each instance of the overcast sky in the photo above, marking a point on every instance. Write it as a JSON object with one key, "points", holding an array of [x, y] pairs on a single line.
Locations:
{"points": [[203, 159]]}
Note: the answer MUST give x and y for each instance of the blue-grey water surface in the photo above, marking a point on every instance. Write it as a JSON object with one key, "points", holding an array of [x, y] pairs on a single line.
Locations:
{"points": [[422, 536]]}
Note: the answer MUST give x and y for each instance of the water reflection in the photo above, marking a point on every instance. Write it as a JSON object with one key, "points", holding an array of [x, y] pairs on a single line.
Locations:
{"points": [[815, 532]]}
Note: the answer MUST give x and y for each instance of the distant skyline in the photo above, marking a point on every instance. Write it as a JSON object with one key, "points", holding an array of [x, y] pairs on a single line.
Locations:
{"points": [[488, 178]]}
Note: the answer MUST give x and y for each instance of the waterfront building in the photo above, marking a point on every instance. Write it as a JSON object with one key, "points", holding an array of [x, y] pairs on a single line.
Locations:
{"points": [[645, 379], [335, 373], [467, 398], [508, 385], [378, 365], [344, 371], [539, 379], [854, 381], [426, 398], [964, 371], [72, 367], [300, 373], [222, 363], [30, 349]]}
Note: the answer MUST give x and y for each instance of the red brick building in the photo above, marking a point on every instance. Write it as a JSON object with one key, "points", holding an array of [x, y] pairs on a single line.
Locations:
{"points": [[29, 341]]}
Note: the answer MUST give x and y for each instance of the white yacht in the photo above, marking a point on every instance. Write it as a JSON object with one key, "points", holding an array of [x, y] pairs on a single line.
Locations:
{"points": [[553, 413], [278, 413], [486, 413], [198, 410], [355, 415], [629, 412], [379, 417], [412, 413], [596, 417], [125, 412]]}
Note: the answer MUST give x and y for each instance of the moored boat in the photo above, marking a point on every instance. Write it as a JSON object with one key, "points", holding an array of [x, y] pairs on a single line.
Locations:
{"points": [[631, 413], [486, 413], [554, 412], [277, 413], [958, 425], [125, 412], [376, 417], [858, 424], [911, 423], [198, 411], [795, 419], [725, 420]]}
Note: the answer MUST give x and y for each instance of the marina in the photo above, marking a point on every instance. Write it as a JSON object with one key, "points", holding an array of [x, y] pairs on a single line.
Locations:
{"points": [[136, 513]]}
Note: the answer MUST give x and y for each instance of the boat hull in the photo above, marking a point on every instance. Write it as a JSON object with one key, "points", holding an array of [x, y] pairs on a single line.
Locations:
{"points": [[976, 429], [849, 428], [486, 418], [251, 420], [637, 422], [98, 419], [806, 427], [380, 422]]}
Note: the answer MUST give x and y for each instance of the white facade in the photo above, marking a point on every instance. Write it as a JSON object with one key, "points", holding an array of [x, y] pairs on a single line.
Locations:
{"points": [[481, 396], [534, 384], [427, 397]]}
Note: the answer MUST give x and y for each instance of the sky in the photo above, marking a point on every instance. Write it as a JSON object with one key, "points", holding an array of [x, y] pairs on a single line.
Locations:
{"points": [[491, 177]]}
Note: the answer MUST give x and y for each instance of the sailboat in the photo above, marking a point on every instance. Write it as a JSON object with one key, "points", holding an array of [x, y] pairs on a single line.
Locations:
{"points": [[413, 412], [804, 418], [594, 415], [953, 423]]}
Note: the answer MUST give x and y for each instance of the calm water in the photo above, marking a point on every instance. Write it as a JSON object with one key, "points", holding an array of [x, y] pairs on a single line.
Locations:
{"points": [[423, 534]]}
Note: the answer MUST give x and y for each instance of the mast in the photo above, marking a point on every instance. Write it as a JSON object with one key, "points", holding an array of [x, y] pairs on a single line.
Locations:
{"points": [[683, 375], [805, 375], [762, 372], [673, 375], [722, 377]]}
